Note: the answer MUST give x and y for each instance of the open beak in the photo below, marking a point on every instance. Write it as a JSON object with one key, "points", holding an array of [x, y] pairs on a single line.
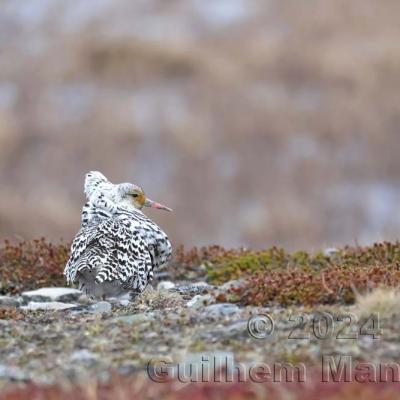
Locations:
{"points": [[153, 204]]}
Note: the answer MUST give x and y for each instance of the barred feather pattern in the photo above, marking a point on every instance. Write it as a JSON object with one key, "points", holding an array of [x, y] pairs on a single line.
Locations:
{"points": [[117, 252], [117, 247], [155, 238]]}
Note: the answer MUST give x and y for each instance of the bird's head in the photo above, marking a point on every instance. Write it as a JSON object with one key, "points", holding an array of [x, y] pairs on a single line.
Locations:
{"points": [[136, 197]]}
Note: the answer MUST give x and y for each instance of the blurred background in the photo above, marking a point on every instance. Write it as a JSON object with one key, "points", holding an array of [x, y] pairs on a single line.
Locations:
{"points": [[260, 122]]}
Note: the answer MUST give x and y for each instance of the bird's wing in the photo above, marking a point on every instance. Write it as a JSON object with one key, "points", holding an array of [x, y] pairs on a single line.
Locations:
{"points": [[84, 238], [118, 251], [155, 238]]}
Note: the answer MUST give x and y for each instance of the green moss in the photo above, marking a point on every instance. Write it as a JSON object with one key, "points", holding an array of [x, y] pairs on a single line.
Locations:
{"points": [[235, 265]]}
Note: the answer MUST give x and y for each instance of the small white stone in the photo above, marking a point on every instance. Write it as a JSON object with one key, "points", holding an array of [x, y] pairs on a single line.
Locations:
{"points": [[232, 284], [165, 285], [100, 307], [84, 300], [10, 372], [83, 355], [193, 301], [48, 305], [200, 301], [52, 294], [330, 251]]}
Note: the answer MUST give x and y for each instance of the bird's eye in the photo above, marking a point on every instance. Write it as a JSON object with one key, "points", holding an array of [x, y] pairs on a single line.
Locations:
{"points": [[135, 195]]}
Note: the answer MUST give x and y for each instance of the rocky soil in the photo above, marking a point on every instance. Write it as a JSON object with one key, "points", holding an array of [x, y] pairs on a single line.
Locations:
{"points": [[56, 334]]}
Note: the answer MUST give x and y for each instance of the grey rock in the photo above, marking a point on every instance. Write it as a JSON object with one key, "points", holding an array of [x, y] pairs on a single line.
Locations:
{"points": [[12, 373], [47, 306], [129, 368], [83, 355], [84, 300], [199, 301], [135, 319], [52, 294], [100, 307], [162, 275], [221, 309], [9, 301], [192, 290], [124, 300], [237, 328]]}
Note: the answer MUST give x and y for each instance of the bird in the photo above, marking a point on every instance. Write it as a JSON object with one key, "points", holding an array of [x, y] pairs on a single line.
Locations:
{"points": [[117, 247]]}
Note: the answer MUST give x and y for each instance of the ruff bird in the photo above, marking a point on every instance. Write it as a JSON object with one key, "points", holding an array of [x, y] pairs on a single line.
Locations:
{"points": [[117, 247]]}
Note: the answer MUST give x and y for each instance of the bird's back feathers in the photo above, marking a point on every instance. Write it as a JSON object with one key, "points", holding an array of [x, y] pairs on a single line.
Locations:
{"points": [[114, 250]]}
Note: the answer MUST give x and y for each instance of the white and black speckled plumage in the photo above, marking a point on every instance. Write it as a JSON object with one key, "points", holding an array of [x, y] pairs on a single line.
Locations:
{"points": [[117, 247]]}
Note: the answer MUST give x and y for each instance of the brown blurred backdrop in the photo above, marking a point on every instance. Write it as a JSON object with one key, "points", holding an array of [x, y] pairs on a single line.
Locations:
{"points": [[259, 121]]}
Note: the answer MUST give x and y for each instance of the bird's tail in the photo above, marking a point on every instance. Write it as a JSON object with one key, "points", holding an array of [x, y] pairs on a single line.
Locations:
{"points": [[86, 262]]}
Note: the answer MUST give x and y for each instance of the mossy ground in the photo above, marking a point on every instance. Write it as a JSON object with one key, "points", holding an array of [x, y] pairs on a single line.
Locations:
{"points": [[274, 276], [69, 349], [270, 276]]}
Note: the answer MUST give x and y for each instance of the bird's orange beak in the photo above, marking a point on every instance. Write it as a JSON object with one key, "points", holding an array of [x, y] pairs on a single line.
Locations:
{"points": [[153, 204]]}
